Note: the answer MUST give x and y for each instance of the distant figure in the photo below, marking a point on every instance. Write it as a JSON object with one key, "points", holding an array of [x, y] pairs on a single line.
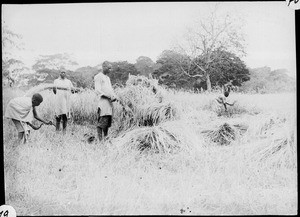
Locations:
{"points": [[62, 109], [222, 100], [22, 111], [228, 86], [106, 96]]}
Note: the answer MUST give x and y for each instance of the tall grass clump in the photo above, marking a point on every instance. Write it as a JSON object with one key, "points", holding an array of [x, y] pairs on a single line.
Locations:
{"points": [[166, 138], [224, 135], [280, 148], [141, 106]]}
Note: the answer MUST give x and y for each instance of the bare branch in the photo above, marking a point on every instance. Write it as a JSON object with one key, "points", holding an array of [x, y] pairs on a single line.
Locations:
{"points": [[192, 76]]}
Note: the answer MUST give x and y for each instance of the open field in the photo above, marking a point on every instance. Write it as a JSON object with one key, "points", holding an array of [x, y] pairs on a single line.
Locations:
{"points": [[179, 164]]}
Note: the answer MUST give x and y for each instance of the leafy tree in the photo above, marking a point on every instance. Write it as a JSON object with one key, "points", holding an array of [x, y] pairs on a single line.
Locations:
{"points": [[84, 76], [55, 62], [48, 67], [120, 71], [168, 70], [145, 66], [202, 42], [42, 76], [227, 68], [11, 67], [12, 70], [263, 80]]}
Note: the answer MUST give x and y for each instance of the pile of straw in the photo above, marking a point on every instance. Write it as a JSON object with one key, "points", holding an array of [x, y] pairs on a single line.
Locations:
{"points": [[224, 135], [140, 106], [281, 144], [154, 114], [169, 137]]}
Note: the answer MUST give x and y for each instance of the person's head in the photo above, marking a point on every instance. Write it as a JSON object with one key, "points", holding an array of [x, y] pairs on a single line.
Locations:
{"points": [[63, 74], [106, 67], [226, 93], [37, 99]]}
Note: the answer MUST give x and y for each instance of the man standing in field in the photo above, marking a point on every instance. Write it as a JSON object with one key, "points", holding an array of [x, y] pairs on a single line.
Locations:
{"points": [[106, 96], [22, 111], [62, 109]]}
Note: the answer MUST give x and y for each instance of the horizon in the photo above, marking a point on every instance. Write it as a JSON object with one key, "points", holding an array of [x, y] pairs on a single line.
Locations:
{"points": [[95, 32]]}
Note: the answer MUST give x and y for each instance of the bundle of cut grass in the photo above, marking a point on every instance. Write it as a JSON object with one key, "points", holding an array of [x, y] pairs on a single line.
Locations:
{"points": [[169, 137], [139, 106], [281, 147], [154, 114], [153, 139], [224, 135], [281, 152], [144, 115], [265, 126]]}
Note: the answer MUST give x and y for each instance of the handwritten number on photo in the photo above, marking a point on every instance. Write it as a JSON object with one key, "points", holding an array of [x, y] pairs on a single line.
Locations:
{"points": [[5, 213]]}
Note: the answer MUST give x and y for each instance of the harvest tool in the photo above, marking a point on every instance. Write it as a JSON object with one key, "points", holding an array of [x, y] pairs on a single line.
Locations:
{"points": [[43, 87], [51, 123]]}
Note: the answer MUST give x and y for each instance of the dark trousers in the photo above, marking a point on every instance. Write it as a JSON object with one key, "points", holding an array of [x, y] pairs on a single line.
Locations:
{"points": [[104, 123], [64, 120]]}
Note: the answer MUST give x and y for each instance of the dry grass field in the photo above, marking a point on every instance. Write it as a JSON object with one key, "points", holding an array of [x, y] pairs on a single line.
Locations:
{"points": [[172, 154]]}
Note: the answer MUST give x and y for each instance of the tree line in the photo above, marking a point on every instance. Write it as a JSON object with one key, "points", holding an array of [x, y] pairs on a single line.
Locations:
{"points": [[209, 56], [166, 70]]}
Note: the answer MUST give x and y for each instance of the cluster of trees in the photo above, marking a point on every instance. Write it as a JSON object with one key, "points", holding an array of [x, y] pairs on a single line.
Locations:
{"points": [[11, 67], [227, 67], [169, 73], [264, 80], [208, 57], [167, 69]]}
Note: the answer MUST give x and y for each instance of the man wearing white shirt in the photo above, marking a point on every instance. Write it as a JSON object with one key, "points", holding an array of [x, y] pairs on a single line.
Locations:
{"points": [[62, 109], [106, 96]]}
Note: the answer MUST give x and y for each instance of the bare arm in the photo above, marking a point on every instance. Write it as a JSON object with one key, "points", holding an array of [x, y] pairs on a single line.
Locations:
{"points": [[219, 101], [231, 104], [34, 127]]}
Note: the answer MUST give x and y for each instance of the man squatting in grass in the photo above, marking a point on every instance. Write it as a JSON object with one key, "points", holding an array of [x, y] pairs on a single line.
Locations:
{"points": [[106, 94], [223, 99], [62, 109], [22, 110]]}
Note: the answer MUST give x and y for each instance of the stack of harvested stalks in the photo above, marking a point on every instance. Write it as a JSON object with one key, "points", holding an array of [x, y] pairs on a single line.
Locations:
{"points": [[140, 106], [169, 137], [224, 135], [281, 143], [154, 114]]}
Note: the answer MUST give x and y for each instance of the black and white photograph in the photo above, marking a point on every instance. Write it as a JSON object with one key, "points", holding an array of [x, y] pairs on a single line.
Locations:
{"points": [[149, 108]]}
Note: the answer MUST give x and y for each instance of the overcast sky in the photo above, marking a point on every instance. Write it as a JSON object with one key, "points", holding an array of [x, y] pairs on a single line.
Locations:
{"points": [[96, 32]]}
